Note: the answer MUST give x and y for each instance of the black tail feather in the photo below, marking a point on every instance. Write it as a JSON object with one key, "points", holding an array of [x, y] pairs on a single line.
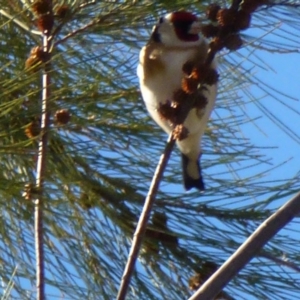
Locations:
{"points": [[188, 181]]}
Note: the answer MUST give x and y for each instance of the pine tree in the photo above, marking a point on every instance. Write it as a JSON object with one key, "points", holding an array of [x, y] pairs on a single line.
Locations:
{"points": [[79, 152]]}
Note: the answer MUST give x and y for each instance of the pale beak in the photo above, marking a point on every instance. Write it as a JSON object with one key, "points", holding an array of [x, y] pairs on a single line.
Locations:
{"points": [[195, 28]]}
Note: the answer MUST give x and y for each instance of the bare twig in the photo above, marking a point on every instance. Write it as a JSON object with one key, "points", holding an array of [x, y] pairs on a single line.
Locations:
{"points": [[84, 5], [144, 217], [61, 25], [40, 171], [280, 261], [76, 31], [83, 28], [248, 250], [18, 22]]}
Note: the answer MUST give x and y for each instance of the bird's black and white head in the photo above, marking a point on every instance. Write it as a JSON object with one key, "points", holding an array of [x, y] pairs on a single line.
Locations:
{"points": [[177, 29]]}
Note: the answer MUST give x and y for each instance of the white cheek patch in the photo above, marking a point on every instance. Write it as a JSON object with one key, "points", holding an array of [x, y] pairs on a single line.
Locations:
{"points": [[167, 34], [195, 28], [168, 17]]}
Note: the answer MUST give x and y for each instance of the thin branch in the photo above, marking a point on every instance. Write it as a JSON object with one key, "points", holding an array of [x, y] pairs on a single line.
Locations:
{"points": [[280, 261], [76, 31], [18, 22], [142, 224], [83, 28], [144, 217], [61, 25], [84, 5], [40, 171], [248, 250]]}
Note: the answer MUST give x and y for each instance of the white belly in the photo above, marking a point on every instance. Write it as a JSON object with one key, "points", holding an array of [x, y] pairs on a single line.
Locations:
{"points": [[160, 88]]}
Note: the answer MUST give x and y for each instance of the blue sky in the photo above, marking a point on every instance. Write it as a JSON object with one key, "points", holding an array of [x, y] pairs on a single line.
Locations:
{"points": [[278, 71], [282, 74]]}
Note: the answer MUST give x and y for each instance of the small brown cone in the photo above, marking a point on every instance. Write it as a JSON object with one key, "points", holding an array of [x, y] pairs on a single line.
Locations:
{"points": [[45, 22], [62, 117], [211, 77], [179, 97], [187, 68], [233, 42], [205, 75], [216, 44], [195, 282], [167, 111], [62, 11], [36, 58], [32, 64], [189, 85], [242, 20], [212, 11], [226, 17], [209, 30], [41, 7], [200, 102], [180, 132], [250, 6], [33, 129]]}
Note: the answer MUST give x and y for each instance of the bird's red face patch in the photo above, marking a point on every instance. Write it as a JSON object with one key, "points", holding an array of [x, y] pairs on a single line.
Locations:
{"points": [[182, 22], [183, 16]]}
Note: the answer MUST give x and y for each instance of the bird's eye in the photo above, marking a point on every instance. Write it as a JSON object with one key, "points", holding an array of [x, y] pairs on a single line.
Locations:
{"points": [[161, 20]]}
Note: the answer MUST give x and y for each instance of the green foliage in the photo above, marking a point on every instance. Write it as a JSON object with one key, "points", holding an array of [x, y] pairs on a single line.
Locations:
{"points": [[100, 164]]}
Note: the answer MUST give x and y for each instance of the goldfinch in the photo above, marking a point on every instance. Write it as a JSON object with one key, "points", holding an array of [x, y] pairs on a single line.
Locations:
{"points": [[174, 42]]}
